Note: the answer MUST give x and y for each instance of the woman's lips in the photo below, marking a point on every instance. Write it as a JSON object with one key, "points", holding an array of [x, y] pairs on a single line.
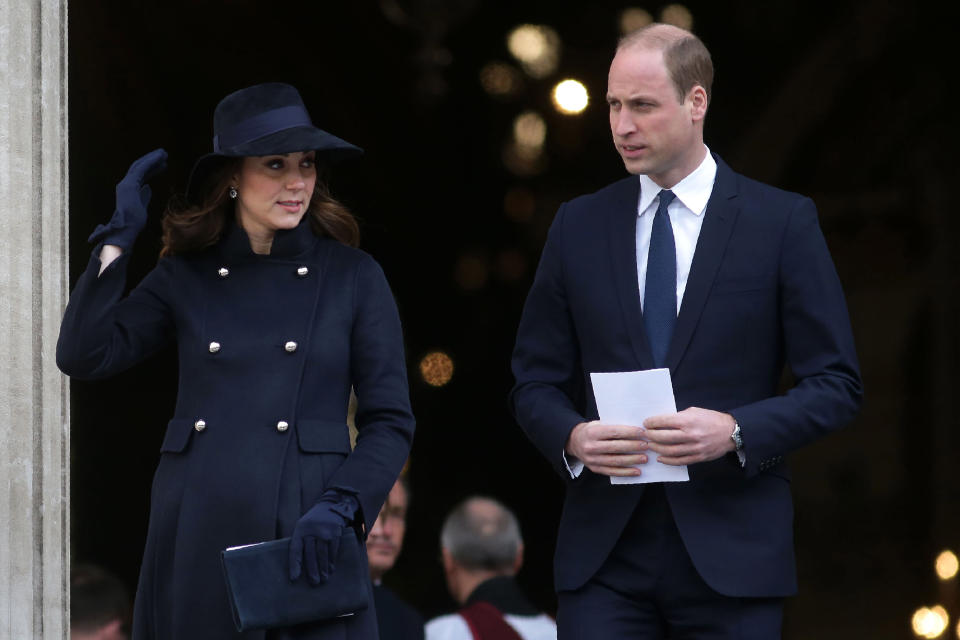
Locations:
{"points": [[293, 206]]}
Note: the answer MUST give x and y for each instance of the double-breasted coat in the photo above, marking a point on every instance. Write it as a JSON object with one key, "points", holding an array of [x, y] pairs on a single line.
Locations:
{"points": [[269, 347]]}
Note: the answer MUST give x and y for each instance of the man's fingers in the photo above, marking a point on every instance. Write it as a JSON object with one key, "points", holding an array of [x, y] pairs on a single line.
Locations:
{"points": [[600, 431], [623, 472], [618, 460]]}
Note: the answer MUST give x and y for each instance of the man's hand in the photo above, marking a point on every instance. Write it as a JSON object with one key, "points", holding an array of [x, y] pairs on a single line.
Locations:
{"points": [[608, 449], [692, 435]]}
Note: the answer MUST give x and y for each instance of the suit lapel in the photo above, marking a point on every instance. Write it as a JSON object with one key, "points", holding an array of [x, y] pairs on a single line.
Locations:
{"points": [[720, 216], [622, 235]]}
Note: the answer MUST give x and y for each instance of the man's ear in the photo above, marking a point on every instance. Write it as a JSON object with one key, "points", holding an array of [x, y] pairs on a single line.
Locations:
{"points": [[697, 99], [448, 563], [518, 559]]}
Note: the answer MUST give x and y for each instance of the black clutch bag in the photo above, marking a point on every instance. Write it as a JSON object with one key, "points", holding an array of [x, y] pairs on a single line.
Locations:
{"points": [[263, 597]]}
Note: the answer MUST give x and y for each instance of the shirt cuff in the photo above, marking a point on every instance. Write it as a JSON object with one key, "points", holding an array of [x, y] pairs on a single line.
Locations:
{"points": [[574, 466]]}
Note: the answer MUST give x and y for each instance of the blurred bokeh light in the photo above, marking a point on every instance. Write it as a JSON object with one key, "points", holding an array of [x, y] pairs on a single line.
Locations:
{"points": [[500, 79], [947, 565], [570, 97], [930, 622], [536, 48], [677, 15], [530, 130], [436, 368], [633, 18]]}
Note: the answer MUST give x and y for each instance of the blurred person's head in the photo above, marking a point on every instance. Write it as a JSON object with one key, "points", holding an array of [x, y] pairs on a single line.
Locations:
{"points": [[99, 605], [386, 537], [480, 540]]}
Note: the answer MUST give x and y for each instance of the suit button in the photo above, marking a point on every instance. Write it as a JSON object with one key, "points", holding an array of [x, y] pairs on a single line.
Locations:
{"points": [[282, 426], [290, 346], [199, 425], [302, 272], [223, 272], [214, 347]]}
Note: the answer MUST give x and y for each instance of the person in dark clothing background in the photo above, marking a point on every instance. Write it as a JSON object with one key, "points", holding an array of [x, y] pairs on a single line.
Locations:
{"points": [[396, 619], [482, 551]]}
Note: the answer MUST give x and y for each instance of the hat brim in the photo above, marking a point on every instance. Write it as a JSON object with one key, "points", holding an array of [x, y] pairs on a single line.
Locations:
{"points": [[329, 148]]}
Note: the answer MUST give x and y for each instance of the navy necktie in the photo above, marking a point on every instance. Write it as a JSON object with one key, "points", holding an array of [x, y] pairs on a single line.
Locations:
{"points": [[660, 291]]}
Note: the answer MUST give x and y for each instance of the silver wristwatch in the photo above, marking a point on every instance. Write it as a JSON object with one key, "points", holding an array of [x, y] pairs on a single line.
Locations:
{"points": [[735, 436]]}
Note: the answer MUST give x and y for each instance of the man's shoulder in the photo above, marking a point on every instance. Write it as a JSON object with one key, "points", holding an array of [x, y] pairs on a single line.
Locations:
{"points": [[613, 192], [451, 626]]}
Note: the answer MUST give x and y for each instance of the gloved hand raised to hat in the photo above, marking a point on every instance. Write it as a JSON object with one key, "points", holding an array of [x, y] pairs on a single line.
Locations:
{"points": [[316, 538], [133, 195]]}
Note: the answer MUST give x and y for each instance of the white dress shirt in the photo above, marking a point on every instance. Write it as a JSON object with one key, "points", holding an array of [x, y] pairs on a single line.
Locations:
{"points": [[686, 217]]}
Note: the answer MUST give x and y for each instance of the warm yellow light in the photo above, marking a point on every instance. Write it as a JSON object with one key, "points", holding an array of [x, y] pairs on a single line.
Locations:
{"points": [[570, 97], [930, 622], [436, 368], [499, 79], [530, 130], [947, 565], [523, 160], [633, 18], [511, 264], [536, 47], [677, 15]]}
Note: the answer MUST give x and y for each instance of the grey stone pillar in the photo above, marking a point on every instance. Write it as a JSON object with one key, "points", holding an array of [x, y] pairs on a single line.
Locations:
{"points": [[34, 401]]}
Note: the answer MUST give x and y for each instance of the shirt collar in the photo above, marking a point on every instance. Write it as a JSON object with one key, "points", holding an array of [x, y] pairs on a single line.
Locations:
{"points": [[693, 191]]}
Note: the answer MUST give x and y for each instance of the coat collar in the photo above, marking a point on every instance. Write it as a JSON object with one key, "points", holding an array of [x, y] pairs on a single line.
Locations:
{"points": [[720, 215], [287, 243]]}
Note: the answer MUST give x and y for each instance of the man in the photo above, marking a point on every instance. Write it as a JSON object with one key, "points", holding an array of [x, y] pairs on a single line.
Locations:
{"points": [[395, 618], [100, 606], [689, 266], [482, 551]]}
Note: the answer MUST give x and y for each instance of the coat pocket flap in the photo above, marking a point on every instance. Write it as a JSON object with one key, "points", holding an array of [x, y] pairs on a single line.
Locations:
{"points": [[177, 436], [323, 436]]}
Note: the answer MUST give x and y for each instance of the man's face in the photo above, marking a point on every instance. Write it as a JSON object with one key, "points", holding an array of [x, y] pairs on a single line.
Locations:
{"points": [[386, 537], [655, 133]]}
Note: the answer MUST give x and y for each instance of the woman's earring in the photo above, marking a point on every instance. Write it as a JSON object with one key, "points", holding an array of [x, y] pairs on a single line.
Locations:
{"points": [[233, 193]]}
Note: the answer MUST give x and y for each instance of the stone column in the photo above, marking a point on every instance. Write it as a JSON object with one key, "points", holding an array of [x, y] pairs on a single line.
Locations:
{"points": [[34, 398]]}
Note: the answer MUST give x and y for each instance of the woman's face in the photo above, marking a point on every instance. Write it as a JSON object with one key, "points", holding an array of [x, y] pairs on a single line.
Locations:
{"points": [[273, 192]]}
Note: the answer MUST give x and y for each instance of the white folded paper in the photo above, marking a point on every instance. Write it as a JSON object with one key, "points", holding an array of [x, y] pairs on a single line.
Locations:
{"points": [[629, 398]]}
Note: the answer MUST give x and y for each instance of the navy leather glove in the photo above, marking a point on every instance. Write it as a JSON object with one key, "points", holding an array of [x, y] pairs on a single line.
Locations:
{"points": [[133, 195], [316, 538]]}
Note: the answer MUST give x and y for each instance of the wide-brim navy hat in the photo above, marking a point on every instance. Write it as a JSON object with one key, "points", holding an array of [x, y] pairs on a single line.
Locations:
{"points": [[262, 120]]}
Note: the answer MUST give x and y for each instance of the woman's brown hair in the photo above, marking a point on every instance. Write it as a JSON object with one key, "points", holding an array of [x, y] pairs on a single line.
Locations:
{"points": [[192, 227]]}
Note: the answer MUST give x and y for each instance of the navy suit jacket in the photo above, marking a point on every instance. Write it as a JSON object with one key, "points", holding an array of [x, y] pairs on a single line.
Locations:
{"points": [[762, 292]]}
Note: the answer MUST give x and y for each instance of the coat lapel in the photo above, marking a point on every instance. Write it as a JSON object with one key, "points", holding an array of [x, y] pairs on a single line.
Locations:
{"points": [[720, 216], [622, 235]]}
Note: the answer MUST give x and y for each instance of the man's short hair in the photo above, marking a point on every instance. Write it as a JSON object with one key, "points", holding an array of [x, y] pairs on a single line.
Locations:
{"points": [[482, 534], [97, 597], [686, 57]]}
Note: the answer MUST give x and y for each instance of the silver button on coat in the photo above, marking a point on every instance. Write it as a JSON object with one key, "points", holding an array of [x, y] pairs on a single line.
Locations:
{"points": [[200, 425], [224, 272], [290, 346], [214, 347], [302, 272], [282, 426]]}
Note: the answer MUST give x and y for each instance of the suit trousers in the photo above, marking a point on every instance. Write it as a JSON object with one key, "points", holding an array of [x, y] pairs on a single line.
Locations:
{"points": [[648, 589]]}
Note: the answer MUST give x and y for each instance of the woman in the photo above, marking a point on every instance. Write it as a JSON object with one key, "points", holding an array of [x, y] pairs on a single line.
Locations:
{"points": [[275, 316]]}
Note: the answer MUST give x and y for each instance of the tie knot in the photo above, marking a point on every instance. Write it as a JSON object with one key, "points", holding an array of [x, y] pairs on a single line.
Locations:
{"points": [[666, 197]]}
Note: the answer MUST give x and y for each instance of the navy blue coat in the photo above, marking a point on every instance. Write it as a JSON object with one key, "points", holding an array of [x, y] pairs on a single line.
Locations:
{"points": [[762, 292], [269, 347]]}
